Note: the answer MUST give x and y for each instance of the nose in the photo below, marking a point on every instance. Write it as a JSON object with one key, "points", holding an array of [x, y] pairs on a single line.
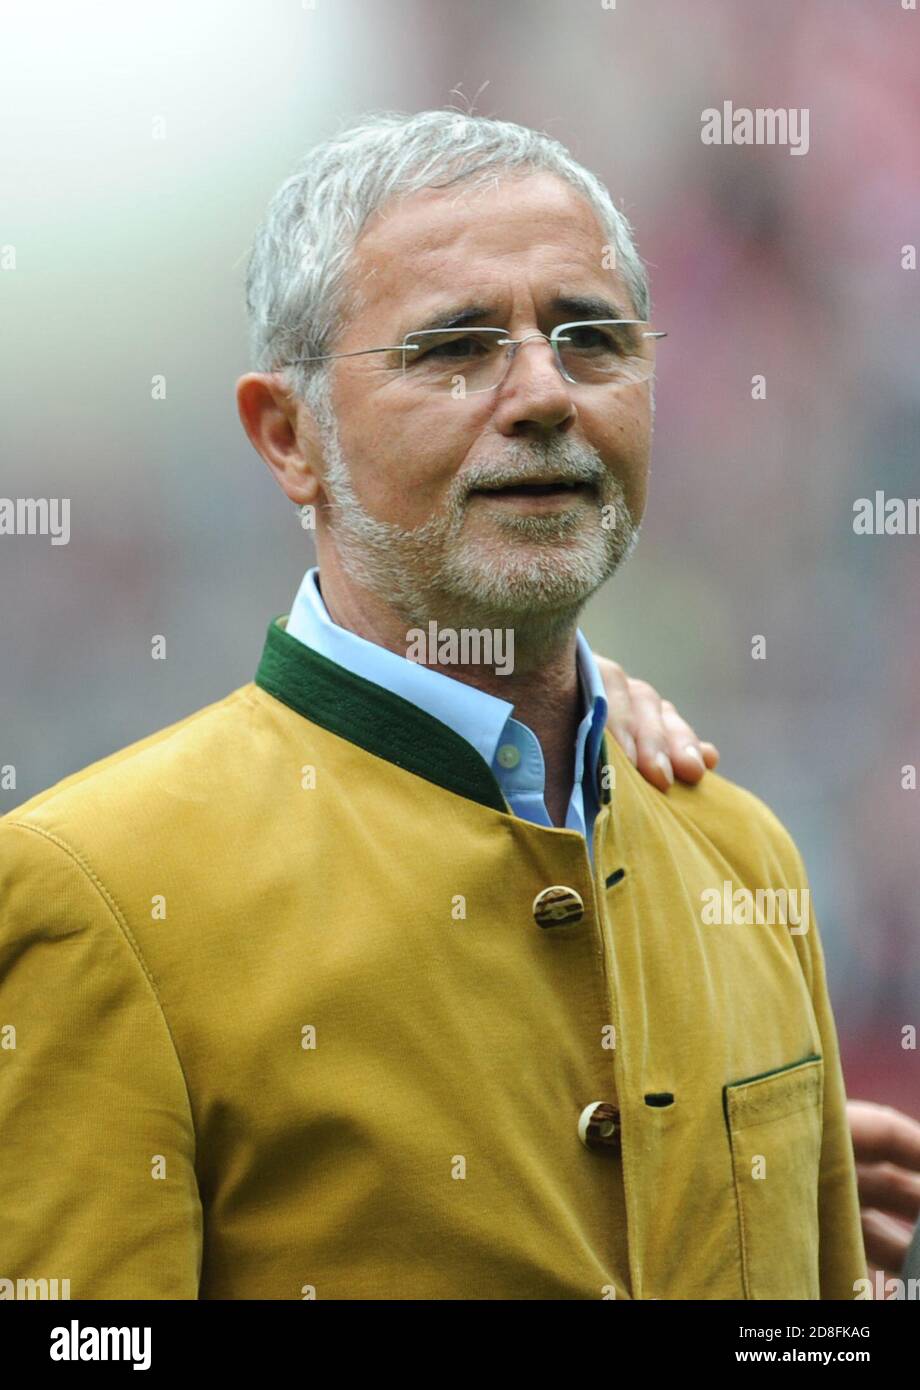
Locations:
{"points": [[533, 393], [518, 343]]}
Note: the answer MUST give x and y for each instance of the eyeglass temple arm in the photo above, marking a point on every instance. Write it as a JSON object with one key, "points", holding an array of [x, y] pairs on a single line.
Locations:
{"points": [[587, 323], [328, 356]]}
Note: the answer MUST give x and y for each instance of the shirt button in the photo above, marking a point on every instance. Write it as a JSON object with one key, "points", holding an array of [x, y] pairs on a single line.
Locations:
{"points": [[599, 1127], [557, 907], [508, 755]]}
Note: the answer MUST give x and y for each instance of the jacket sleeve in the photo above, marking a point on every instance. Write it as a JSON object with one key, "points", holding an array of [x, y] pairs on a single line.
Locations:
{"points": [[841, 1254], [97, 1144]]}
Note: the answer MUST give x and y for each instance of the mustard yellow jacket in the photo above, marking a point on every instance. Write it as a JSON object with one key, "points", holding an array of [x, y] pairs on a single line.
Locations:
{"points": [[288, 1010]]}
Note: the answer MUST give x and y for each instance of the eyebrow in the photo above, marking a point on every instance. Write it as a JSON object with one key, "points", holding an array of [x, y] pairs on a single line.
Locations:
{"points": [[579, 306]]}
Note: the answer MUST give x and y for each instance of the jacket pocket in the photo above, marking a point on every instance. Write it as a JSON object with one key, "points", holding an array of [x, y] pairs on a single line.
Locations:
{"points": [[775, 1126]]}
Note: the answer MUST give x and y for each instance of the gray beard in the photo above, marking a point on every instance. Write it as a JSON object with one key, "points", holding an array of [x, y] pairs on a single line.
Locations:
{"points": [[429, 573]]}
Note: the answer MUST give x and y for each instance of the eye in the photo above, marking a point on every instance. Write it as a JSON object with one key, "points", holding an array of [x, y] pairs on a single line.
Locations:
{"points": [[453, 348], [601, 338], [460, 348]]}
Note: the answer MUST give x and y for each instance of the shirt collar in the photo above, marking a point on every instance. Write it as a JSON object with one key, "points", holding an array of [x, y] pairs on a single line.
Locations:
{"points": [[594, 696], [477, 715]]}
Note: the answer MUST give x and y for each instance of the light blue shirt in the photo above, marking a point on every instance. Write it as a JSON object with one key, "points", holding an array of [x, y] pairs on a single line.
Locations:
{"points": [[510, 748]]}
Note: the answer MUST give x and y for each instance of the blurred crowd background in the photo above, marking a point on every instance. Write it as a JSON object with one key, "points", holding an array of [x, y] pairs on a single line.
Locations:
{"points": [[130, 254]]}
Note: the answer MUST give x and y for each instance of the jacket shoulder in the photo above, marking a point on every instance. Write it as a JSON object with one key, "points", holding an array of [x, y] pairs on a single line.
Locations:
{"points": [[141, 770], [724, 808], [724, 817]]}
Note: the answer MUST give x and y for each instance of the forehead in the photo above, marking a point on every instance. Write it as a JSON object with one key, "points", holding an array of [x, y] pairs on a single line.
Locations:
{"points": [[519, 236]]}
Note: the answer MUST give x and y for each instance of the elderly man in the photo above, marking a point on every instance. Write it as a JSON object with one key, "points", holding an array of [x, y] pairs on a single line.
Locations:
{"points": [[393, 978]]}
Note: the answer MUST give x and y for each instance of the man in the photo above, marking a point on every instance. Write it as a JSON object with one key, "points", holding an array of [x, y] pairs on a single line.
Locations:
{"points": [[388, 977]]}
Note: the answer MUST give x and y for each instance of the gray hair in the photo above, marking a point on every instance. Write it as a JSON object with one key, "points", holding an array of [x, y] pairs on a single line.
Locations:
{"points": [[296, 283]]}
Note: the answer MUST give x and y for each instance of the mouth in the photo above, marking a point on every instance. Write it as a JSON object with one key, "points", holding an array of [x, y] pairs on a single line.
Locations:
{"points": [[556, 487]]}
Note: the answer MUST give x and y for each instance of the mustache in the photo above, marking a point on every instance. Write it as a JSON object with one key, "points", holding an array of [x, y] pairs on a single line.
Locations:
{"points": [[580, 468]]}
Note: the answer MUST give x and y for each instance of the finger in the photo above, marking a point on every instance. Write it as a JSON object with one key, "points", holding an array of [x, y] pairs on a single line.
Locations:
{"points": [[885, 1240], [710, 755], [888, 1188], [651, 741], [620, 719], [683, 746], [882, 1134], [626, 741]]}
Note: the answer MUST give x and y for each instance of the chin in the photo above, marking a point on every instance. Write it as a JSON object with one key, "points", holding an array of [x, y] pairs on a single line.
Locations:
{"points": [[539, 581]]}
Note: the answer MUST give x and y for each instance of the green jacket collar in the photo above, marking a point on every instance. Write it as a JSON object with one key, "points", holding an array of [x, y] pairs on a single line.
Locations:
{"points": [[377, 720]]}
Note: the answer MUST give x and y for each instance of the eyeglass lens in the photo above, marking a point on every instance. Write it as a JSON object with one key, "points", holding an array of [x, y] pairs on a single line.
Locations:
{"points": [[466, 360]]}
